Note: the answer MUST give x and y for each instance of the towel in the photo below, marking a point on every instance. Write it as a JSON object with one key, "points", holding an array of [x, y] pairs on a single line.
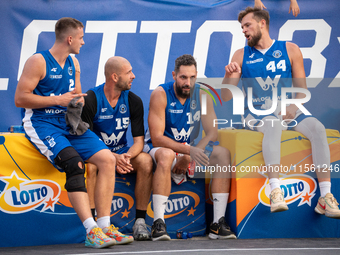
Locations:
{"points": [[73, 118]]}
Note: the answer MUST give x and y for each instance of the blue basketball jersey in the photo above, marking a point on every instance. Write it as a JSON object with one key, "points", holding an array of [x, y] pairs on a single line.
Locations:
{"points": [[182, 122], [57, 81], [263, 72], [111, 124]]}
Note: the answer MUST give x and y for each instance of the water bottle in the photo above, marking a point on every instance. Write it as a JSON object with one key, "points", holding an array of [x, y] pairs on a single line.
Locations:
{"points": [[209, 148], [183, 235]]}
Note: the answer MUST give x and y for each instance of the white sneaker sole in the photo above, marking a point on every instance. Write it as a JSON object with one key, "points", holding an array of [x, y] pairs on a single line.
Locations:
{"points": [[161, 238]]}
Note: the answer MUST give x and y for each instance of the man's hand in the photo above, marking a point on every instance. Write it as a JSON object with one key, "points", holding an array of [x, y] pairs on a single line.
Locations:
{"points": [[233, 67], [197, 154], [290, 112], [294, 8], [182, 164], [123, 163], [259, 4], [66, 98]]}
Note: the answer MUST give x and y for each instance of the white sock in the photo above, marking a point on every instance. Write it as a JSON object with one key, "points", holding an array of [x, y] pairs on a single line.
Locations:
{"points": [[159, 204], [103, 222], [274, 183], [220, 201], [325, 187], [89, 224]]}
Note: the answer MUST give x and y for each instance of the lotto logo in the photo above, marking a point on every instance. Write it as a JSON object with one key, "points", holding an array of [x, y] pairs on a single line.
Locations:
{"points": [[22, 195], [295, 187]]}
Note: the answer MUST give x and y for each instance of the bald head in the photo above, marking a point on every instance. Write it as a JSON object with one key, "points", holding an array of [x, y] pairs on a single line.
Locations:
{"points": [[114, 65]]}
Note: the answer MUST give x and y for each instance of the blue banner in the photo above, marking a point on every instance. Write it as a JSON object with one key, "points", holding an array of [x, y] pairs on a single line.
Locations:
{"points": [[152, 34]]}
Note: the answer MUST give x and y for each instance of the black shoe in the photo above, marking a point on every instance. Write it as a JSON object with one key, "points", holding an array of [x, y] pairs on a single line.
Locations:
{"points": [[221, 230], [158, 231]]}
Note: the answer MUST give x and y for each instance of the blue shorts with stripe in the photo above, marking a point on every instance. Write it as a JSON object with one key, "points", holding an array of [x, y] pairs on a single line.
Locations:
{"points": [[51, 135]]}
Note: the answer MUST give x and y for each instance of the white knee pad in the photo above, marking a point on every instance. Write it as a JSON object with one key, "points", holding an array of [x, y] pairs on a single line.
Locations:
{"points": [[271, 143], [315, 131]]}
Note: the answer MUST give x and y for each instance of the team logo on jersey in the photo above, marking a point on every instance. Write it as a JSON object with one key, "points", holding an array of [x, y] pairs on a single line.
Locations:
{"points": [[193, 104], [54, 69], [252, 55], [104, 109], [173, 104], [22, 195], [112, 140], [70, 70], [269, 82], [277, 54], [183, 135], [294, 187], [50, 141], [122, 108]]}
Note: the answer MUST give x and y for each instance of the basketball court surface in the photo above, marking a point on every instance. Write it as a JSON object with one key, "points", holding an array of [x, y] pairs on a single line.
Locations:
{"points": [[197, 245]]}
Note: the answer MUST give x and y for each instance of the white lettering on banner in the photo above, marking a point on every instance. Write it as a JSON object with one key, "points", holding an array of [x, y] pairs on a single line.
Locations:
{"points": [[3, 83], [323, 34], [203, 36], [30, 39], [110, 30], [177, 204], [164, 30], [335, 83]]}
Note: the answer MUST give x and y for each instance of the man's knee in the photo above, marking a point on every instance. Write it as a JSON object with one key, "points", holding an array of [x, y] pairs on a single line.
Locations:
{"points": [[69, 160], [270, 125], [144, 162], [221, 151], [317, 127], [164, 157]]}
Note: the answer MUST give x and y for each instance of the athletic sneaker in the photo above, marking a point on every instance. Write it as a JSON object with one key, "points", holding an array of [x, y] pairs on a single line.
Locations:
{"points": [[158, 231], [140, 231], [221, 230], [328, 206], [120, 238], [97, 239], [277, 202]]}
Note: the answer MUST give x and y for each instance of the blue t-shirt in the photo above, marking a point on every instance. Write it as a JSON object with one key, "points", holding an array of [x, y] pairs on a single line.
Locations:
{"points": [[111, 124], [182, 122], [57, 81], [263, 72]]}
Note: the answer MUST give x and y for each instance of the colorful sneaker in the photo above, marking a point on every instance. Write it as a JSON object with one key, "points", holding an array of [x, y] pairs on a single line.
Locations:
{"points": [[221, 230], [328, 206], [277, 202], [140, 231], [97, 239], [158, 231], [120, 238]]}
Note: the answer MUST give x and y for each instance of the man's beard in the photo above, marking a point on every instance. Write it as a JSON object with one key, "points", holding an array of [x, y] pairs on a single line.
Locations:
{"points": [[255, 39], [122, 86], [180, 92]]}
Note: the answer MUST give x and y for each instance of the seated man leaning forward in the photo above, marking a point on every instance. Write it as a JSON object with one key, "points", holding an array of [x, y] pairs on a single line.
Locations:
{"points": [[108, 109], [169, 116], [49, 82]]}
